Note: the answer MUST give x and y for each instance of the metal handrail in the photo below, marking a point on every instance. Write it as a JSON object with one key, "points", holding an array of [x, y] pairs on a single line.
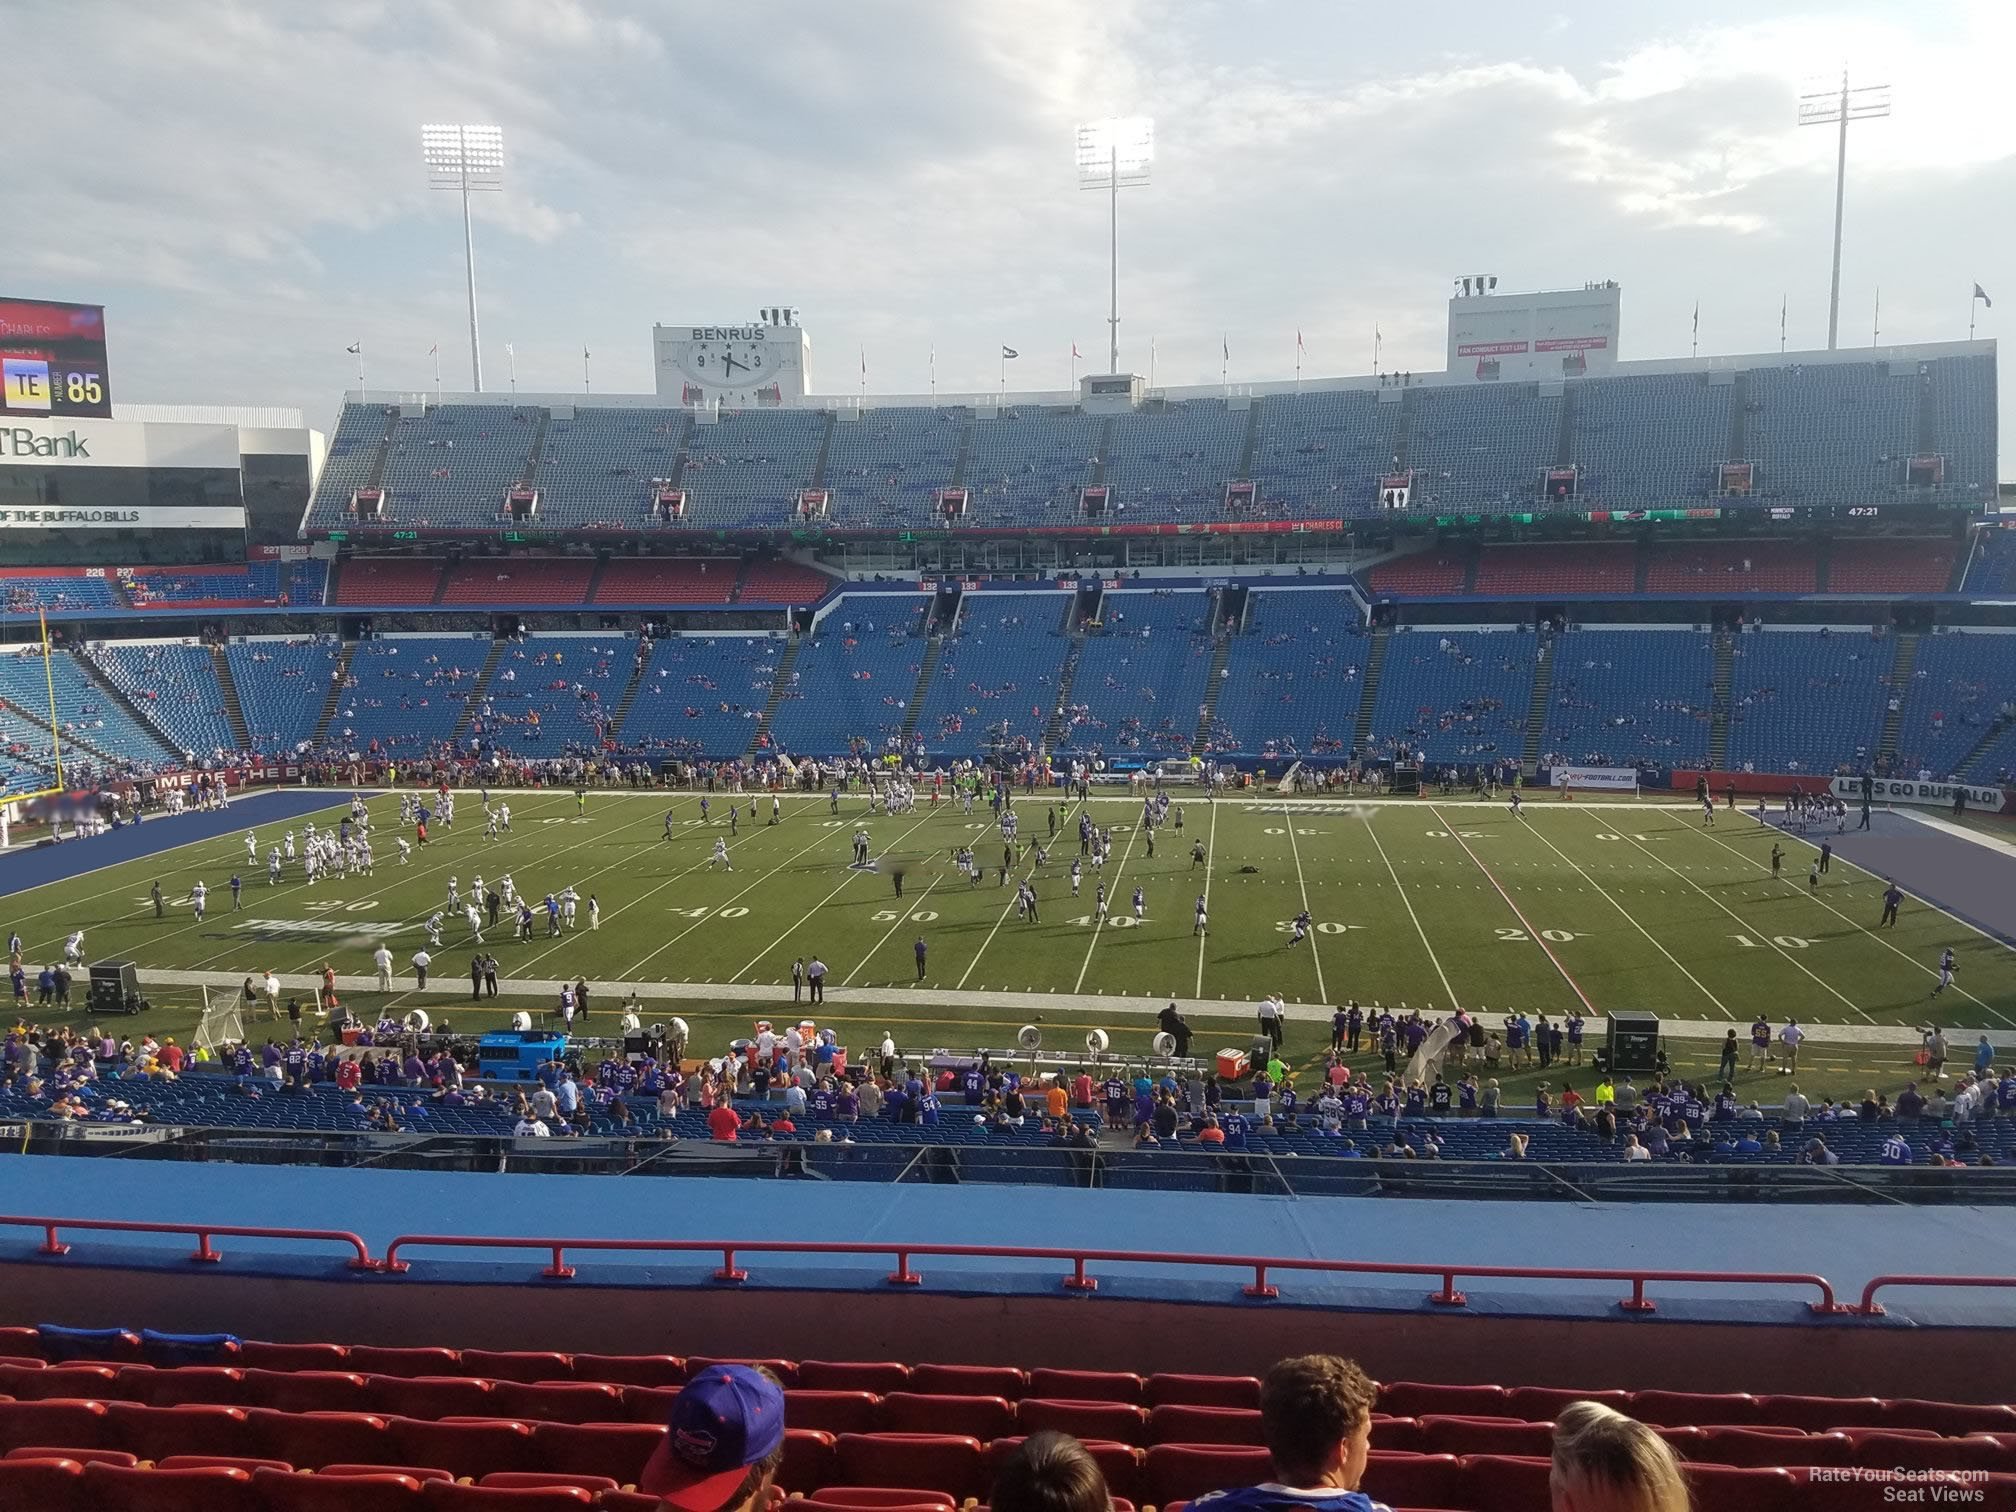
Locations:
{"points": [[206, 1252], [1079, 1280], [1869, 1307]]}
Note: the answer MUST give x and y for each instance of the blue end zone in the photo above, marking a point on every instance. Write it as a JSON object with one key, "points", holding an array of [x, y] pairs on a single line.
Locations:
{"points": [[1845, 1245], [40, 865]]}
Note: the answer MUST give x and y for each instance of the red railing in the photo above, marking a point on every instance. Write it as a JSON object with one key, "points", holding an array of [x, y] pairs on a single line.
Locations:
{"points": [[1869, 1307], [53, 1246], [1078, 1280]]}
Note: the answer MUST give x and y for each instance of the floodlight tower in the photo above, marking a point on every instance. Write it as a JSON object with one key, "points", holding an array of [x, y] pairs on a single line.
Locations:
{"points": [[469, 159], [1865, 103], [1115, 154]]}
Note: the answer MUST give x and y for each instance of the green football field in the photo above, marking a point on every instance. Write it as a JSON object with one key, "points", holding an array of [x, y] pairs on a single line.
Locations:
{"points": [[1418, 902]]}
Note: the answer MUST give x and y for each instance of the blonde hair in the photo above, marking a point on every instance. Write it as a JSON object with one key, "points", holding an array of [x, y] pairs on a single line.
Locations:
{"points": [[1607, 1462]]}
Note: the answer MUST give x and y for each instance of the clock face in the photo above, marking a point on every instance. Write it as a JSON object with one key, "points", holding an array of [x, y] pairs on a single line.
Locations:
{"points": [[729, 364]]}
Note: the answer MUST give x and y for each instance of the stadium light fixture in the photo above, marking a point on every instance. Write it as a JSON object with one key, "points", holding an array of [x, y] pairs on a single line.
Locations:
{"points": [[468, 159], [1114, 154], [1837, 107]]}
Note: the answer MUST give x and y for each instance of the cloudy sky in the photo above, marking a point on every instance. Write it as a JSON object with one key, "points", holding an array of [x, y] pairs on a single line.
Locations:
{"points": [[240, 182]]}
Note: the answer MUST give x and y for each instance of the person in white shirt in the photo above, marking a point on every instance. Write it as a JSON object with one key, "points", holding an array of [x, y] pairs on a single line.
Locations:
{"points": [[382, 959], [531, 1128], [1796, 1105], [1634, 1150], [421, 961], [1789, 1037], [273, 994]]}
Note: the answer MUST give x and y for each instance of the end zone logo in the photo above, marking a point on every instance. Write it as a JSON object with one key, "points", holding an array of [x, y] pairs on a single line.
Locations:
{"points": [[19, 441]]}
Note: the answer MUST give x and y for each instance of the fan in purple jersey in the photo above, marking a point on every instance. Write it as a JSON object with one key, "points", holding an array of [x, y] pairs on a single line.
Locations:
{"points": [[1316, 1416]]}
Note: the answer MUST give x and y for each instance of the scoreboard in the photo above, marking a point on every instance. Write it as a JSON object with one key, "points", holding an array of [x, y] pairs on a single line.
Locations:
{"points": [[52, 359]]}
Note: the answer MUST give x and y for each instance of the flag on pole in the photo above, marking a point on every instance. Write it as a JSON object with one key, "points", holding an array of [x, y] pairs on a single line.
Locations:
{"points": [[584, 354], [1982, 295], [1075, 357], [1298, 341], [1697, 317], [434, 350], [354, 348], [1225, 346], [1007, 352], [510, 350]]}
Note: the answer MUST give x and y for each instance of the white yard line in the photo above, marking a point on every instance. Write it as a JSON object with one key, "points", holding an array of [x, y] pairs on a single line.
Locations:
{"points": [[1632, 920], [1864, 928], [1315, 956], [1408, 903], [848, 876], [755, 882], [1099, 925], [902, 915], [1070, 808], [1747, 925], [1210, 860]]}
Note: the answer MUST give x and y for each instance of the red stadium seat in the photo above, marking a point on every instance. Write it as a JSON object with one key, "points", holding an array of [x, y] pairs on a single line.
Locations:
{"points": [[1177, 1390], [74, 1425], [279, 1492], [840, 1375], [306, 1390], [82, 1383], [1680, 1408], [1748, 1488], [1177, 1472], [113, 1488], [464, 1446], [1117, 1422], [617, 1450], [631, 1370], [313, 1439], [530, 1365], [1206, 1425], [421, 1473], [1484, 1435], [430, 1396], [980, 1417], [649, 1404], [628, 1501], [881, 1496], [1422, 1398], [1875, 1449], [1815, 1414], [1387, 1433], [559, 1401], [1761, 1447], [1416, 1480], [1947, 1417], [190, 1383], [218, 1462], [252, 1354], [968, 1380], [952, 1462], [21, 1343], [1513, 1483], [45, 1485], [194, 1428], [823, 1503], [450, 1497], [808, 1459], [518, 1479], [1543, 1404], [1120, 1463], [373, 1359], [835, 1411], [1085, 1385], [82, 1456]]}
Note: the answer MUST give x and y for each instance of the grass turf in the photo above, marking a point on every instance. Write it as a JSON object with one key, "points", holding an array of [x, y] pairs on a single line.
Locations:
{"points": [[1426, 903]]}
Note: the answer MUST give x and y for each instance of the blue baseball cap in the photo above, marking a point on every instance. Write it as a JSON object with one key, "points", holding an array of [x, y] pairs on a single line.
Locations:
{"points": [[726, 1419]]}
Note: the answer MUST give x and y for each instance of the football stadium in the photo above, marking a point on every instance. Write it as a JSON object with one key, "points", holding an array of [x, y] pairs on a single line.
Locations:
{"points": [[1439, 940]]}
